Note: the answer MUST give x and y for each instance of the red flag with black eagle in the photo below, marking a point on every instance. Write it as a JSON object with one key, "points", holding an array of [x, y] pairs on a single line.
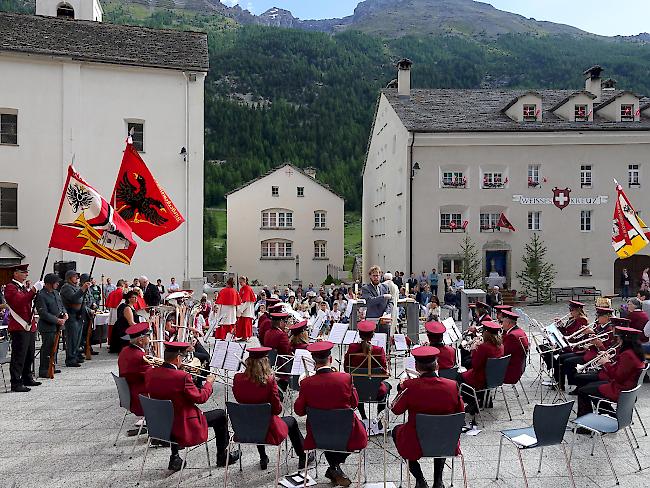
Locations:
{"points": [[141, 201], [87, 224], [505, 223]]}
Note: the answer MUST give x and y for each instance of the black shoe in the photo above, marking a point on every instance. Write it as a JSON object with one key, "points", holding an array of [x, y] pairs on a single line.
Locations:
{"points": [[20, 389], [234, 457], [45, 374], [57, 371], [340, 478], [330, 474], [93, 352], [421, 483], [32, 382], [309, 461], [157, 442], [73, 365], [438, 484], [583, 431], [81, 360], [176, 463], [264, 463]]}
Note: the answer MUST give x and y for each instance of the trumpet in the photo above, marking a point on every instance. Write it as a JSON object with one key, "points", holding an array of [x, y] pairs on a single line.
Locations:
{"points": [[195, 371], [580, 332], [597, 363], [603, 336]]}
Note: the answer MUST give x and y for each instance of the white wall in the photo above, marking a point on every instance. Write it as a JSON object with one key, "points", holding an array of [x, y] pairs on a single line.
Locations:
{"points": [[83, 9], [71, 109]]}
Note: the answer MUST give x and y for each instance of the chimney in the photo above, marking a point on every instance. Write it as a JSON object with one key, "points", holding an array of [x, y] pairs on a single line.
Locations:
{"points": [[609, 84], [404, 77], [311, 172], [593, 84]]}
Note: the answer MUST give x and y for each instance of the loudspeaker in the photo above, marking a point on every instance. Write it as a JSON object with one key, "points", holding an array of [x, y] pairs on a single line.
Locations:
{"points": [[60, 267]]}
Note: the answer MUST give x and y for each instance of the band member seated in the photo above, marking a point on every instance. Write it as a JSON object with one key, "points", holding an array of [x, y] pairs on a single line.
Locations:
{"points": [[499, 311], [447, 354], [329, 390], [515, 343], [479, 315], [299, 337], [190, 426], [133, 367], [614, 377], [492, 347], [257, 385], [638, 318], [416, 397], [264, 320], [277, 339], [362, 356]]}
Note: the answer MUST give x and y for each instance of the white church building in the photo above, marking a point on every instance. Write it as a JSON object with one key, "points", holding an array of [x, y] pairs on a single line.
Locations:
{"points": [[71, 89]]}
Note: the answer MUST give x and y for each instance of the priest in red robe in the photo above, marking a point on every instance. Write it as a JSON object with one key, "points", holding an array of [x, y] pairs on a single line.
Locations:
{"points": [[246, 310], [227, 302]]}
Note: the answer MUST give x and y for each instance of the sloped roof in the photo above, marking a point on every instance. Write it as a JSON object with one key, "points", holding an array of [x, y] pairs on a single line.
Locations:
{"points": [[517, 98], [573, 95], [618, 95], [103, 42]]}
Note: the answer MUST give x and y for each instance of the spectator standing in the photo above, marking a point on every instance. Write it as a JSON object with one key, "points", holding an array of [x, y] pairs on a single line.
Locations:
{"points": [[412, 282], [95, 292], [150, 293], [397, 279], [625, 284], [173, 286], [160, 286], [109, 287], [433, 281]]}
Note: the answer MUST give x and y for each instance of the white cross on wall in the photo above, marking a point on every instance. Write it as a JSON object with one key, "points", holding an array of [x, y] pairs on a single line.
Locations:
{"points": [[561, 199]]}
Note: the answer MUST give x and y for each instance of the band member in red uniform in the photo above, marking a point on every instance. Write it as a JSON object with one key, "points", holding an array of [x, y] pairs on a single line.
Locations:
{"points": [[328, 390], [447, 354], [264, 320], [190, 426], [616, 377], [515, 343], [500, 309], [492, 347], [244, 329], [257, 385], [416, 397], [18, 297], [363, 355], [299, 337], [638, 318], [277, 339], [132, 366], [481, 315]]}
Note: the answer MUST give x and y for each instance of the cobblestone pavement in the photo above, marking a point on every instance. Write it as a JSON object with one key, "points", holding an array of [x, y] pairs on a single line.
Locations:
{"points": [[62, 433]]}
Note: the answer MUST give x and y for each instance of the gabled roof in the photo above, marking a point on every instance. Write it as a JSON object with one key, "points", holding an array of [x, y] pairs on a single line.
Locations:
{"points": [[517, 98], [615, 97], [273, 170], [573, 95], [13, 250], [103, 42]]}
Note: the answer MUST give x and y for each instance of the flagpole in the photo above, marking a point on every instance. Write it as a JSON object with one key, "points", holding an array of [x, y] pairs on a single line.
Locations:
{"points": [[89, 332]]}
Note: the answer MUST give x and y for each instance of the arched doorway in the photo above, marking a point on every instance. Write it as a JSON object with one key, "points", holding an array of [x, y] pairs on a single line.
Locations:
{"points": [[65, 10], [635, 266], [497, 263]]}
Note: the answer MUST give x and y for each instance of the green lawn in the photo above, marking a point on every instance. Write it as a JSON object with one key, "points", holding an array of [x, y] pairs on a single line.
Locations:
{"points": [[352, 238]]}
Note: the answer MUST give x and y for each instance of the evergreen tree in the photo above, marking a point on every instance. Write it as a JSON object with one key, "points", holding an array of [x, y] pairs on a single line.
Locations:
{"points": [[472, 272], [537, 276]]}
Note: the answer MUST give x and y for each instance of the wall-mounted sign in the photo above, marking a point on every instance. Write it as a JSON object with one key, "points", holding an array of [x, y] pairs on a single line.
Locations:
{"points": [[561, 199]]}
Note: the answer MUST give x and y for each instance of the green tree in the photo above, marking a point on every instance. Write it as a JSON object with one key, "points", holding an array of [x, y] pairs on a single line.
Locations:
{"points": [[472, 272], [537, 276]]}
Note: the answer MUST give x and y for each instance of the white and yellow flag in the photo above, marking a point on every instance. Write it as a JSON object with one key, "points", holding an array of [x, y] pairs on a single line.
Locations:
{"points": [[629, 232]]}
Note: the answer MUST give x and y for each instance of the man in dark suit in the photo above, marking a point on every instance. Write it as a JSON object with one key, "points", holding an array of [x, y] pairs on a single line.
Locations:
{"points": [[329, 390], [377, 296], [150, 292], [190, 427], [51, 317]]}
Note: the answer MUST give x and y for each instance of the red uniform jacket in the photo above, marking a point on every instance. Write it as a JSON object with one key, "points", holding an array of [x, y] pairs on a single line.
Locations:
{"points": [[430, 395], [573, 325], [447, 356], [638, 319], [19, 300], [167, 383], [354, 358], [249, 392], [263, 326], [328, 390], [298, 346], [513, 341], [475, 377], [623, 375], [279, 340], [133, 367]]}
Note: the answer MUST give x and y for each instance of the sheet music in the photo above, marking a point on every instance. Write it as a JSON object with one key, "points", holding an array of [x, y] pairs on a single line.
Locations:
{"points": [[234, 355], [315, 330], [452, 333], [316, 323], [555, 336], [379, 339], [298, 366], [409, 362], [219, 354], [348, 309], [337, 333], [351, 336], [400, 342]]}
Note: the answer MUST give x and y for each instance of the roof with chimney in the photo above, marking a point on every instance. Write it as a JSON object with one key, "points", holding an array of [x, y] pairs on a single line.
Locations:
{"points": [[99, 42], [446, 110]]}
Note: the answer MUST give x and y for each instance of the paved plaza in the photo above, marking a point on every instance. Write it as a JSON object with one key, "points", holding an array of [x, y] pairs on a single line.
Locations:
{"points": [[62, 433]]}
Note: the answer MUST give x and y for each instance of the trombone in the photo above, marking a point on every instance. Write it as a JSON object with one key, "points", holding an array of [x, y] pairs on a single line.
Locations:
{"points": [[194, 371], [603, 336]]}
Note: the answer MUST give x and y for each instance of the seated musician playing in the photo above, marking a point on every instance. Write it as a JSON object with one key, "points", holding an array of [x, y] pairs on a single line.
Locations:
{"points": [[428, 394], [492, 347], [363, 355], [479, 315], [133, 367], [257, 385], [329, 390], [277, 339], [190, 426], [299, 337], [515, 343], [446, 358], [614, 377]]}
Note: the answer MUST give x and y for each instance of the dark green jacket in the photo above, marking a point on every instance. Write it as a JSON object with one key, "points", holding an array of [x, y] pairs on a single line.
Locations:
{"points": [[48, 306]]}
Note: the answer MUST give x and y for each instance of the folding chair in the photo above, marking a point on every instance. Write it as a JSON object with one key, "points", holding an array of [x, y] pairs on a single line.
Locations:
{"points": [[449, 373], [4, 352], [328, 439], [495, 372], [601, 425], [439, 436], [368, 388], [548, 429], [124, 395], [159, 415], [250, 424], [514, 385]]}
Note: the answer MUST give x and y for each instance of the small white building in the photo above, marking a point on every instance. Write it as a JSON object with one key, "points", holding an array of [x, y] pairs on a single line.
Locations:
{"points": [[71, 87], [285, 226]]}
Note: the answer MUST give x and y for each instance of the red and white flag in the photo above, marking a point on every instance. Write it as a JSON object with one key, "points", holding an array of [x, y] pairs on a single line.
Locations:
{"points": [[505, 223], [629, 232]]}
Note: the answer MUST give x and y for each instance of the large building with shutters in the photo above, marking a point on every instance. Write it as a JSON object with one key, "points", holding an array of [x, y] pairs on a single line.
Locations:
{"points": [[442, 164]]}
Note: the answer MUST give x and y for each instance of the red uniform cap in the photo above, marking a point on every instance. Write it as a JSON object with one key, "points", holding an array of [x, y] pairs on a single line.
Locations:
{"points": [[627, 330], [425, 354], [492, 326], [320, 349], [604, 311], [298, 327], [575, 304], [620, 322], [482, 304], [176, 346], [510, 314], [138, 330], [276, 306], [366, 326], [19, 267], [272, 301], [279, 315], [435, 328], [503, 307], [258, 352]]}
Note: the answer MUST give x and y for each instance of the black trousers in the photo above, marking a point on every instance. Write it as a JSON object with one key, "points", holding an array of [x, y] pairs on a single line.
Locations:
{"points": [[335, 458], [584, 401], [416, 469], [295, 436], [219, 423], [47, 344], [22, 356], [380, 406]]}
